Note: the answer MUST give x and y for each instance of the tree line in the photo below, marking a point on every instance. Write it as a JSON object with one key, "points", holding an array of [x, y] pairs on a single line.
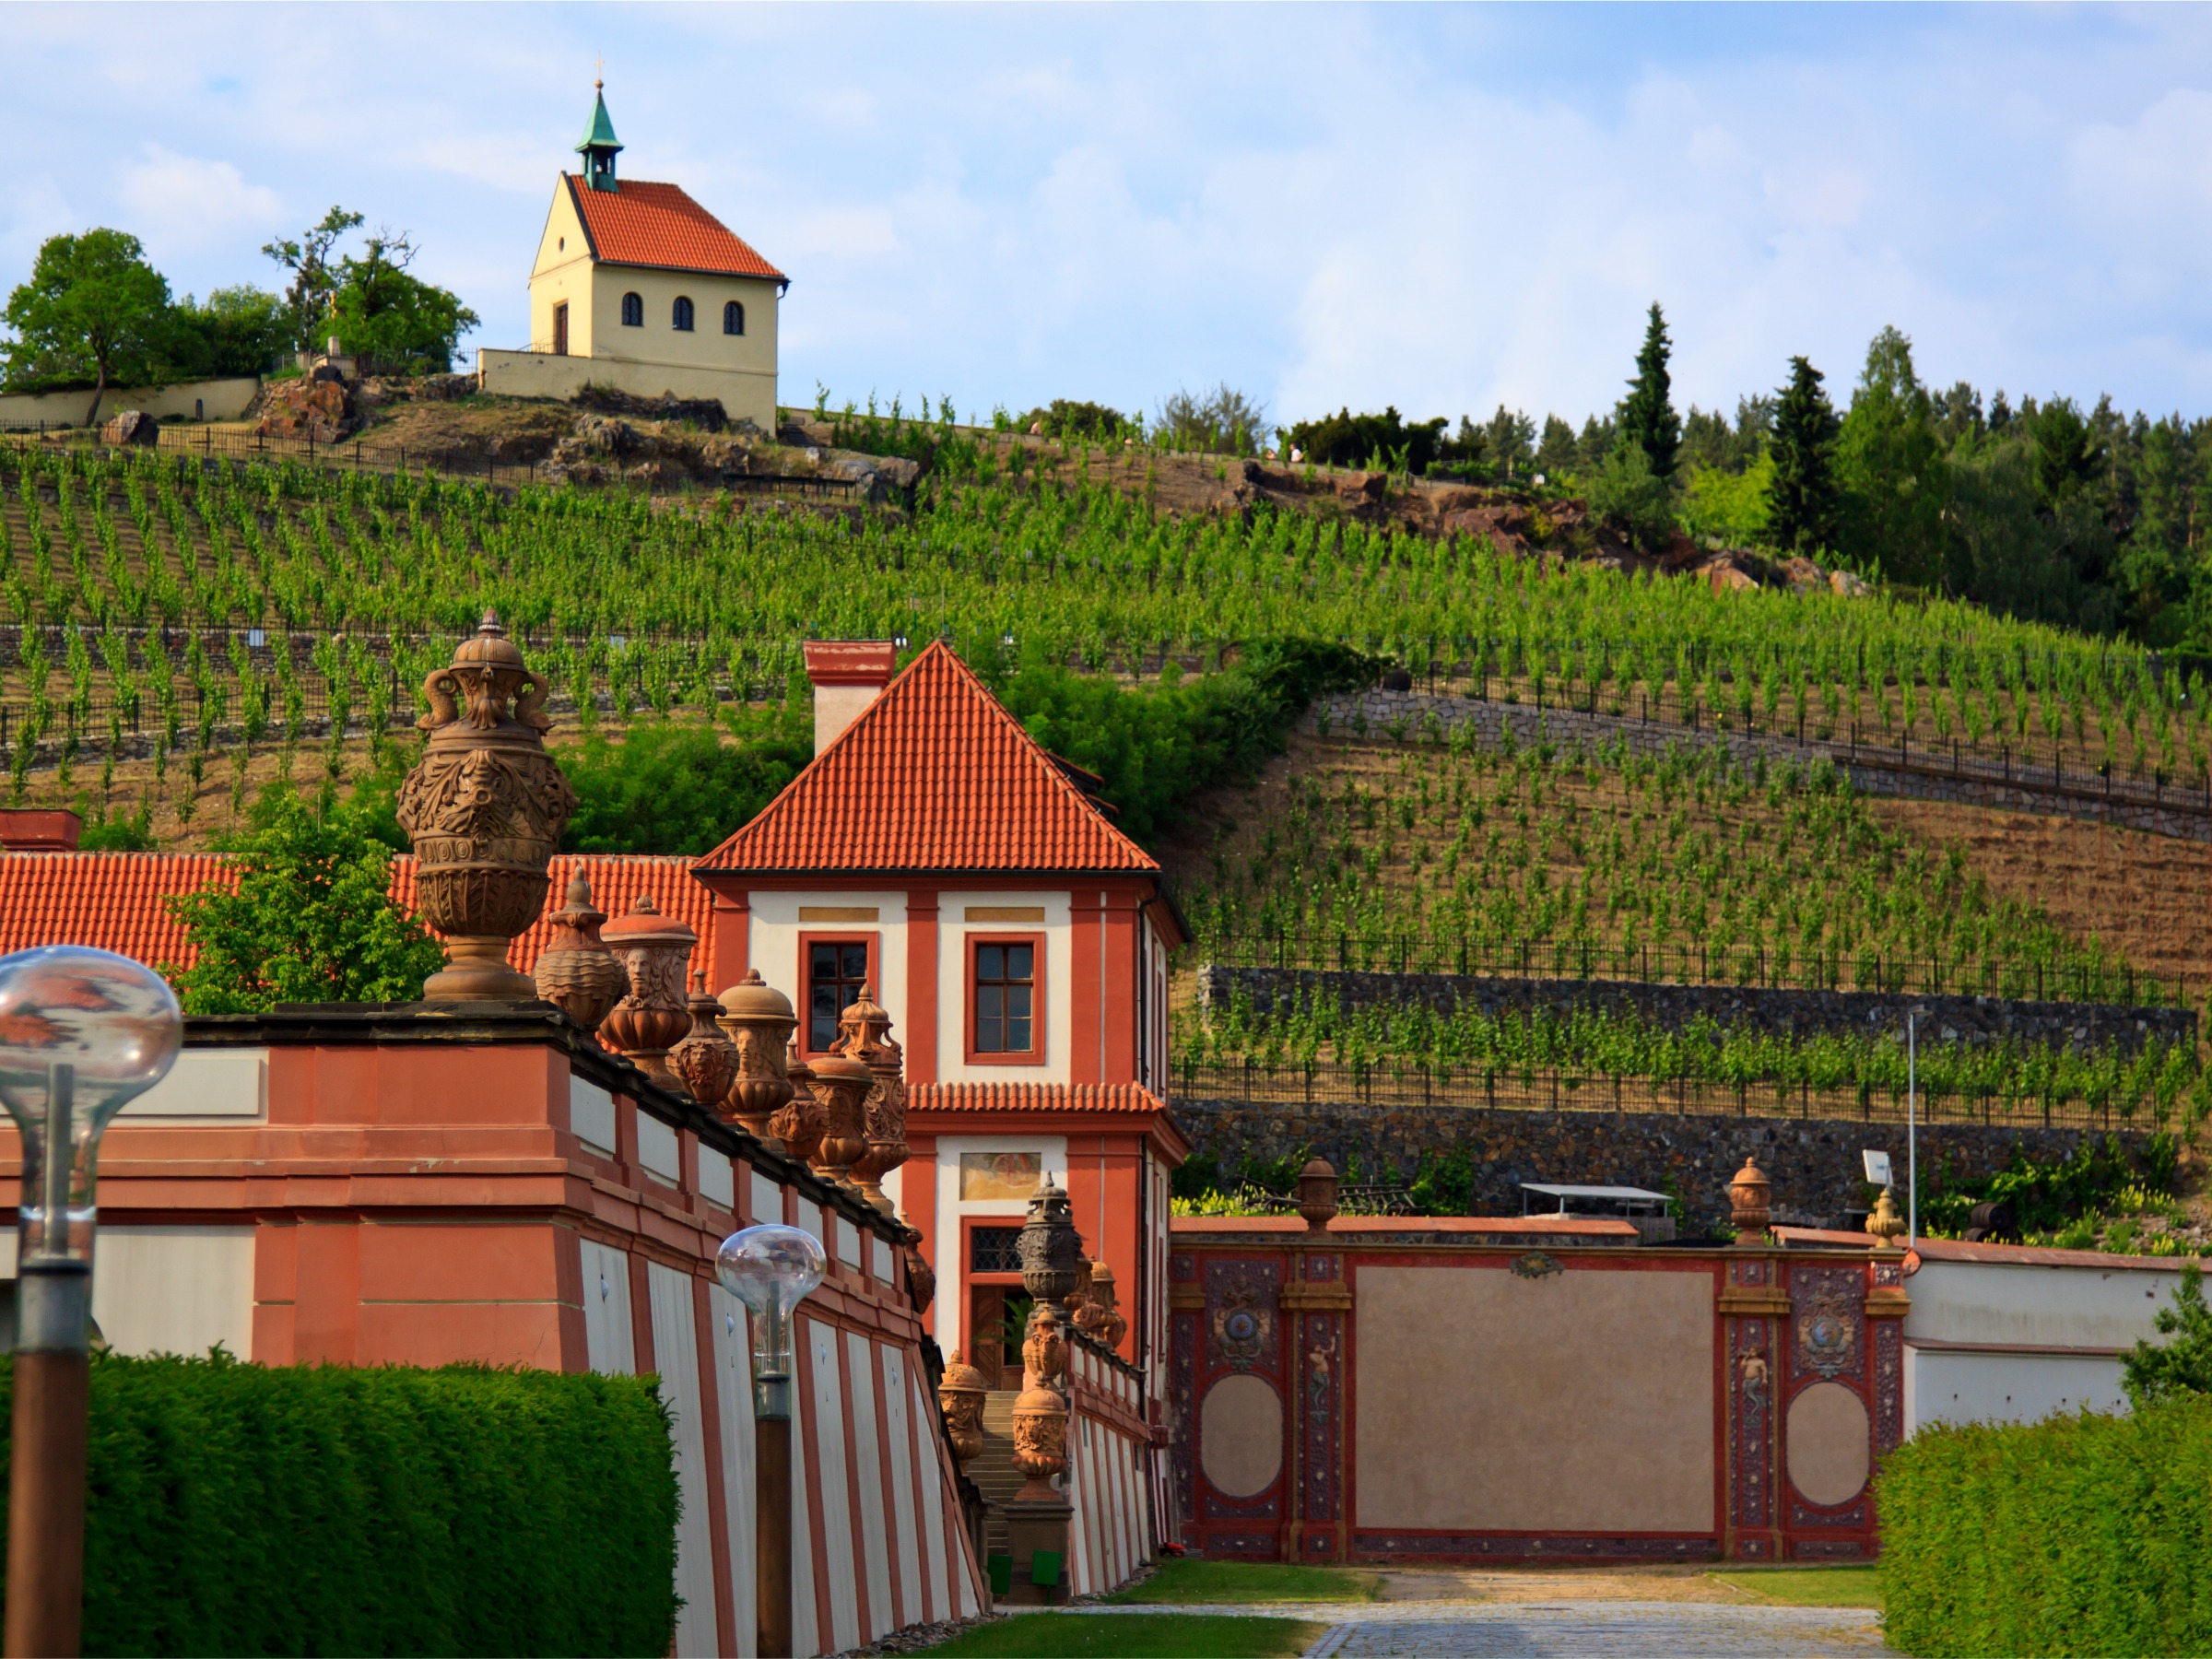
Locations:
{"points": [[95, 312], [2043, 509]]}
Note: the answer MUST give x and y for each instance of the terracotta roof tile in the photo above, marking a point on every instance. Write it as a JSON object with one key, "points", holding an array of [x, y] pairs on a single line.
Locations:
{"points": [[1032, 1096], [112, 900], [936, 775], [659, 225]]}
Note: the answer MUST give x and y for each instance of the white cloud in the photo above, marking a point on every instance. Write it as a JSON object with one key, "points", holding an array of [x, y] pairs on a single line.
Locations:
{"points": [[180, 201]]}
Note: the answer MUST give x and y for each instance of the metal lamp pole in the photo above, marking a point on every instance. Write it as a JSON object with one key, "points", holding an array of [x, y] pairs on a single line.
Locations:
{"points": [[86, 1033], [1912, 1132], [770, 1268]]}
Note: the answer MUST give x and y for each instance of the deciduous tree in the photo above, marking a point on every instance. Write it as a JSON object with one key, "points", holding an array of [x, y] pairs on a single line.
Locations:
{"points": [[93, 308], [1892, 466]]}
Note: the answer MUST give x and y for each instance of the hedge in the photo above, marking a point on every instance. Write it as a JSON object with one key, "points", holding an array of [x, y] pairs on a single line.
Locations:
{"points": [[2079, 1535], [248, 1509]]}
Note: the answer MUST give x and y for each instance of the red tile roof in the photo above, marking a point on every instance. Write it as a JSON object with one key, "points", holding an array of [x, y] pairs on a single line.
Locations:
{"points": [[112, 900], [660, 225], [1032, 1096], [935, 776]]}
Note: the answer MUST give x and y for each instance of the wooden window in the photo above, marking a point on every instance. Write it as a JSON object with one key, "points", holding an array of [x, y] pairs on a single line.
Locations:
{"points": [[633, 311], [833, 968], [680, 315], [733, 318], [1006, 998]]}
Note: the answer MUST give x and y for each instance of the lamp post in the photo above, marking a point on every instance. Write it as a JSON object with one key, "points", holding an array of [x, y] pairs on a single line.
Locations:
{"points": [[770, 1269], [82, 1033]]}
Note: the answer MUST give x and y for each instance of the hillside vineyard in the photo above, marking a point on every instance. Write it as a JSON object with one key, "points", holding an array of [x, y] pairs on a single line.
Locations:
{"points": [[125, 574]]}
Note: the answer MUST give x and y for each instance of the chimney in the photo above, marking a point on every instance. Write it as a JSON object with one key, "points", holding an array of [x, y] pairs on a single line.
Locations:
{"points": [[24, 830], [848, 675]]}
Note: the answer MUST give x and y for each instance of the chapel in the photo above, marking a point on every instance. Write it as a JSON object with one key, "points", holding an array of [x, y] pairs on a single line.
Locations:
{"points": [[638, 288]]}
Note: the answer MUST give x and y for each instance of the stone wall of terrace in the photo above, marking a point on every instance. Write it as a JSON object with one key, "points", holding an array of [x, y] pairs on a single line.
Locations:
{"points": [[1971, 1020], [1899, 771], [1815, 1164]]}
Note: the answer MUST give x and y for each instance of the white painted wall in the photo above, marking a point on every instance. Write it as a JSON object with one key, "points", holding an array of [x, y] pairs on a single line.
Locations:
{"points": [[608, 1344], [2043, 1336], [187, 400], [773, 942], [211, 1084], [171, 1289], [676, 1356]]}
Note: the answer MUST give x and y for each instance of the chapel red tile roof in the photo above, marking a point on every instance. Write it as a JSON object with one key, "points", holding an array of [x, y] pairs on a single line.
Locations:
{"points": [[1032, 1096], [112, 900], [643, 223], [935, 776]]}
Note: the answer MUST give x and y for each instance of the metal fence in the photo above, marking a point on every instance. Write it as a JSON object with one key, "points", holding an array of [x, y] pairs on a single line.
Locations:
{"points": [[1539, 1088], [1746, 967]]}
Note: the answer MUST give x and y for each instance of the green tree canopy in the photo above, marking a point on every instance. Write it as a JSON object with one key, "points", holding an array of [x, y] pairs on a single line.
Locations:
{"points": [[93, 310], [370, 302], [1627, 494], [314, 275], [1801, 498], [240, 330], [2184, 1366], [310, 920], [1891, 468], [681, 789], [1647, 414]]}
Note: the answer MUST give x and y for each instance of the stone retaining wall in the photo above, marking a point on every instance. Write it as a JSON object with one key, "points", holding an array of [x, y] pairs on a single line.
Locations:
{"points": [[1814, 1164], [1781, 1012], [1923, 776]]}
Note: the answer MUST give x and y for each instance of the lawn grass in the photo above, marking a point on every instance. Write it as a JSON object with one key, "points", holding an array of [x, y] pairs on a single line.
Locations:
{"points": [[1195, 1580], [1811, 1586], [1135, 1636]]}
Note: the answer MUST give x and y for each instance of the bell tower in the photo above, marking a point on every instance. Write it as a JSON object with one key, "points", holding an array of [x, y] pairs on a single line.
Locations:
{"points": [[600, 143]]}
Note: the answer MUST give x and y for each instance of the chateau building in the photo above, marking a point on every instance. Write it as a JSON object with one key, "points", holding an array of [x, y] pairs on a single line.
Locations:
{"points": [[638, 288]]}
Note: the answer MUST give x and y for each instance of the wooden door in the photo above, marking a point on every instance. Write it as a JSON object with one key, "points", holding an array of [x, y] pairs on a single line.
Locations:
{"points": [[560, 329], [986, 1320]]}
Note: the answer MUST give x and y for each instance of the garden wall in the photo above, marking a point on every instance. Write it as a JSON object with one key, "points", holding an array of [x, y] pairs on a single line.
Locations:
{"points": [[187, 400], [1971, 1019], [1814, 1164]]}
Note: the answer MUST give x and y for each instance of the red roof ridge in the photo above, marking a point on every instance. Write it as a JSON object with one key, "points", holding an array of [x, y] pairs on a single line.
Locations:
{"points": [[855, 807], [661, 225], [1032, 1096]]}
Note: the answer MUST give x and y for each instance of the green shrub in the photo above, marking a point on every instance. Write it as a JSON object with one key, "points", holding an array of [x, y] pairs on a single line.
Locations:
{"points": [[682, 789], [2080, 1535], [247, 1509]]}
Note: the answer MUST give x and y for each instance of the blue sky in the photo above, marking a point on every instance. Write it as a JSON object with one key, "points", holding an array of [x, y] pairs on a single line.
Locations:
{"points": [[1438, 208]]}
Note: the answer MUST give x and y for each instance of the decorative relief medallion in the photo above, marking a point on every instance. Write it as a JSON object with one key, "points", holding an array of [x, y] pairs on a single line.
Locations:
{"points": [[1535, 1264], [1241, 1312], [1827, 1317]]}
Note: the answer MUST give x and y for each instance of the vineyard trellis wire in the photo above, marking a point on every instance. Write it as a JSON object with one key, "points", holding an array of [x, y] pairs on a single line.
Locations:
{"points": [[1748, 967], [1406, 1083]]}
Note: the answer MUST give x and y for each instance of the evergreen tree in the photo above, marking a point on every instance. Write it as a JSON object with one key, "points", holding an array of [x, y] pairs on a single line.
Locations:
{"points": [[2184, 1366], [1647, 414], [1890, 464], [1802, 500]]}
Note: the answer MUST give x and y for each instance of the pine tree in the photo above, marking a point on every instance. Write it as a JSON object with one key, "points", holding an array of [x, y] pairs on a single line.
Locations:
{"points": [[1802, 500], [1647, 414]]}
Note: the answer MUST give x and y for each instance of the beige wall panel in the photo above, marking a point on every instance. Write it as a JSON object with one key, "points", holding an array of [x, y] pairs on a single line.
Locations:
{"points": [[1240, 1436], [1581, 1402], [1828, 1439]]}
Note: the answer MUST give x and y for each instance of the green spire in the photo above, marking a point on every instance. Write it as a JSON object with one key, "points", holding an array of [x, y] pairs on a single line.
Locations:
{"points": [[599, 144]]}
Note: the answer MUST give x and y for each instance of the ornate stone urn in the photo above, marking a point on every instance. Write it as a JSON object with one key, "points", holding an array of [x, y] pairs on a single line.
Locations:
{"points": [[863, 1035], [1100, 1318], [1041, 1409], [758, 1021], [655, 1016], [798, 1126], [921, 1281], [1749, 1196], [577, 973], [961, 1396], [1049, 1250], [485, 808], [1317, 1194], [705, 1060], [1885, 1223], [841, 1086]]}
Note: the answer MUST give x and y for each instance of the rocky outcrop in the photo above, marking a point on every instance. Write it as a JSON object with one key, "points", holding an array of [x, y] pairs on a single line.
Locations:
{"points": [[320, 411], [132, 428], [706, 412]]}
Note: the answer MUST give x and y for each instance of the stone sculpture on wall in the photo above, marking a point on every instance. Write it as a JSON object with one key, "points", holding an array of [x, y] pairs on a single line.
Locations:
{"points": [[961, 1396], [864, 1034], [656, 1014], [577, 973], [485, 808], [759, 1021]]}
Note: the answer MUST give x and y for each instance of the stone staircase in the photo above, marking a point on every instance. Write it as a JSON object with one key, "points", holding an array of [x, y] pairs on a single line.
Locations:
{"points": [[992, 1470]]}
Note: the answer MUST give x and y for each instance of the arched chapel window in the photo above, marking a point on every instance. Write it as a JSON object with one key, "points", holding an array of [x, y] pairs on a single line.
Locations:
{"points": [[682, 318], [733, 318], [634, 311]]}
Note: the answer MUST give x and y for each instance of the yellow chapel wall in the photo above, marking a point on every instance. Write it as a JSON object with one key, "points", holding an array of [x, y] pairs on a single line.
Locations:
{"points": [[562, 270]]}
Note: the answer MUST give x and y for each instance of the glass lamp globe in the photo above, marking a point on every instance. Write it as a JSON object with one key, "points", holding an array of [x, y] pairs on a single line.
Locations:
{"points": [[770, 1268], [83, 1032]]}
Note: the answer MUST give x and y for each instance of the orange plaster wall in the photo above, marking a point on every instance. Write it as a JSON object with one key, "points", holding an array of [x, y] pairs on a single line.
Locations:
{"points": [[1085, 1003]]}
